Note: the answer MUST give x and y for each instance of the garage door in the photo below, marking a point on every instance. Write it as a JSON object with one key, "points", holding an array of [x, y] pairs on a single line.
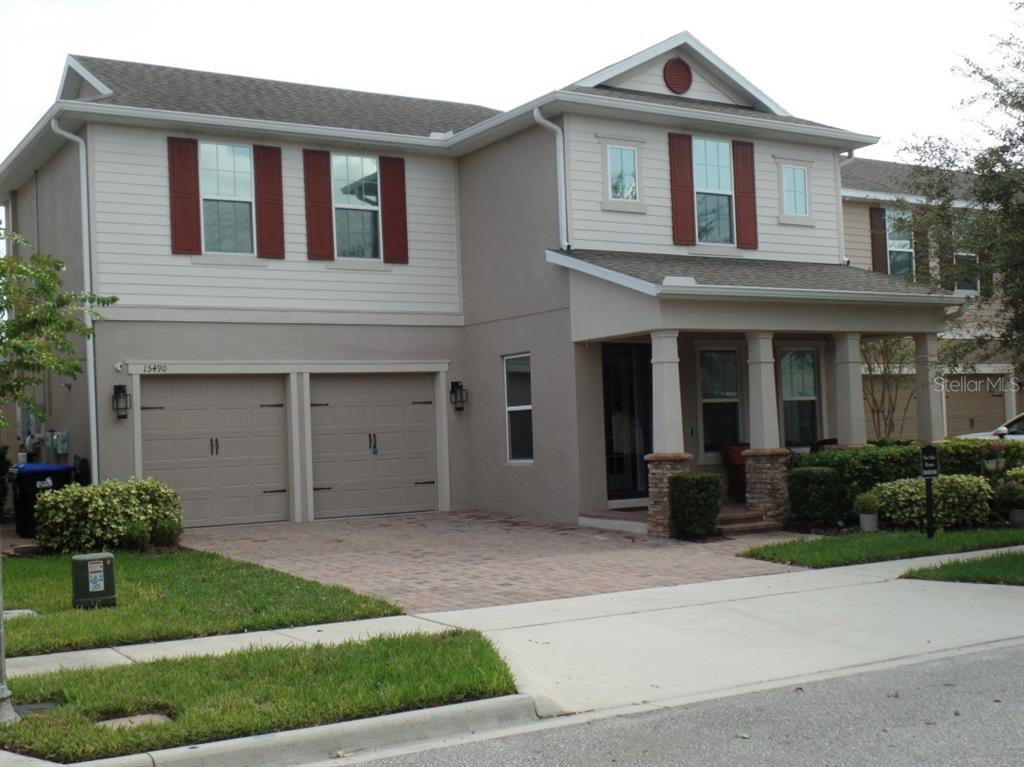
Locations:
{"points": [[373, 444], [974, 403], [221, 443]]}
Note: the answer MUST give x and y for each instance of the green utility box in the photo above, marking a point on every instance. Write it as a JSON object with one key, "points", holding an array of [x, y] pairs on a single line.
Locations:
{"points": [[92, 580]]}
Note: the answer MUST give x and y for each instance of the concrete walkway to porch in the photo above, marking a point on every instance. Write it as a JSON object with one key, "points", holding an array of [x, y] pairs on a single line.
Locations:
{"points": [[459, 560]]}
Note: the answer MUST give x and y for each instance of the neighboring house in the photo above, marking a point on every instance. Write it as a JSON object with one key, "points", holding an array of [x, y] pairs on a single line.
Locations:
{"points": [[880, 236], [648, 261]]}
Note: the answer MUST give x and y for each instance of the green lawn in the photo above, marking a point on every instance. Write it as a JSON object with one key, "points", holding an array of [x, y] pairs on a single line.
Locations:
{"points": [[251, 692], [168, 596], [1006, 569], [857, 548]]}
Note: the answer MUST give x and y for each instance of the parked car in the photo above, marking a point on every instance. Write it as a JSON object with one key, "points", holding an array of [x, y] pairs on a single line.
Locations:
{"points": [[1014, 430]]}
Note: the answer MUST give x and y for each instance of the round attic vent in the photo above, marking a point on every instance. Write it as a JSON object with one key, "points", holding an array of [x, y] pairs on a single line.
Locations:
{"points": [[678, 76]]}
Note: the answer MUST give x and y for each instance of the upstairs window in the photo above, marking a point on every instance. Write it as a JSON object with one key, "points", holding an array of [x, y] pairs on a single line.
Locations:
{"points": [[622, 175], [794, 191], [226, 188], [356, 206], [965, 267], [713, 188], [899, 233]]}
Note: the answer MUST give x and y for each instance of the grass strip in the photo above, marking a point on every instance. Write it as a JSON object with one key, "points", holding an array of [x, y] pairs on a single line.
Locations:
{"points": [[168, 596], [858, 548], [1005, 569], [250, 692]]}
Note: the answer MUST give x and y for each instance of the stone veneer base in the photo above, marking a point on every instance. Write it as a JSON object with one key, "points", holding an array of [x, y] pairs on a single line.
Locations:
{"points": [[660, 468]]}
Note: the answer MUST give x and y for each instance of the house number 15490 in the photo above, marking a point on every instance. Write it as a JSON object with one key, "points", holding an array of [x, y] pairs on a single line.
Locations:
{"points": [[155, 367]]}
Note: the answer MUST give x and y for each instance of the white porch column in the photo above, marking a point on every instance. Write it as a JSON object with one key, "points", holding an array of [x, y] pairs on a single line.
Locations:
{"points": [[665, 392], [930, 397], [850, 426], [764, 406]]}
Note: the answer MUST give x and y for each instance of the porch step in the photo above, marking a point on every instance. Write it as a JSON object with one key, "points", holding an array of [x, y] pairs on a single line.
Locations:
{"points": [[731, 517], [753, 526]]}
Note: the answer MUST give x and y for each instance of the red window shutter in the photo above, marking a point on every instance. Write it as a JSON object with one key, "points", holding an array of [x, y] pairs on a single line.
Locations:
{"points": [[269, 202], [680, 162], [183, 175], [319, 208], [746, 194], [394, 227], [879, 241]]}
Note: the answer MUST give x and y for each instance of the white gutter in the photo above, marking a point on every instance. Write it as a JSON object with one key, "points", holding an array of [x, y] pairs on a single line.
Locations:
{"points": [[90, 346], [563, 224]]}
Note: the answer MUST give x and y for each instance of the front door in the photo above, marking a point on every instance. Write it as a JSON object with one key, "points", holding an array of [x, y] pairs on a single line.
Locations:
{"points": [[627, 417]]}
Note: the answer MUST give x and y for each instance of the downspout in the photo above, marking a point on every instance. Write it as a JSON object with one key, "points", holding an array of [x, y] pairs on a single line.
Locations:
{"points": [[90, 347], [563, 226]]}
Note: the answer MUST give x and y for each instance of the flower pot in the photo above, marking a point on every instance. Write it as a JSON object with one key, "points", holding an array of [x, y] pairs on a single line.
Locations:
{"points": [[869, 523], [1017, 517], [995, 464]]}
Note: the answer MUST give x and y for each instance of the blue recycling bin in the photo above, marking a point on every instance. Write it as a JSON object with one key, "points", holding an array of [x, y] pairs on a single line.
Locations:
{"points": [[27, 481]]}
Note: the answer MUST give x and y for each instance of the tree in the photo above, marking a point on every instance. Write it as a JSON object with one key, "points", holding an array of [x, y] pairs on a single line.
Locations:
{"points": [[891, 388], [39, 322]]}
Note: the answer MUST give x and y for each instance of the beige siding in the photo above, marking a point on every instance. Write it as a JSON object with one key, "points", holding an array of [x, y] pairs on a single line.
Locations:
{"points": [[134, 260], [857, 233], [649, 78], [593, 227]]}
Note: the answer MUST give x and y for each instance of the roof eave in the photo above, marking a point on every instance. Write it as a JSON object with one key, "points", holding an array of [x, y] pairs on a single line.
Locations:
{"points": [[869, 195]]}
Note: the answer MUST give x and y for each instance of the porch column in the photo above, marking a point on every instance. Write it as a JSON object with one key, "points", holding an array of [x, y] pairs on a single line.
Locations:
{"points": [[766, 461], [668, 458], [849, 369], [930, 426]]}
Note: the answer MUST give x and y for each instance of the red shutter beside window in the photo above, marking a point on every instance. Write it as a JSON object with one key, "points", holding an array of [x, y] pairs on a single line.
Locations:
{"points": [[269, 202], [319, 208], [394, 227], [183, 176], [680, 161], [879, 241], [746, 194]]}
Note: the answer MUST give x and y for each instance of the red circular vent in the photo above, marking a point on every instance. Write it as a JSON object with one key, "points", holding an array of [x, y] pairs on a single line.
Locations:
{"points": [[678, 76]]}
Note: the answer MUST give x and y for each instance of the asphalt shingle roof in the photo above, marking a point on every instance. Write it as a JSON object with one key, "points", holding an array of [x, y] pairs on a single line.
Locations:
{"points": [[186, 90], [750, 272], [888, 177]]}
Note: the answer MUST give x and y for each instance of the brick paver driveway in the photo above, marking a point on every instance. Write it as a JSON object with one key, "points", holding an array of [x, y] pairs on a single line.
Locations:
{"points": [[457, 560]]}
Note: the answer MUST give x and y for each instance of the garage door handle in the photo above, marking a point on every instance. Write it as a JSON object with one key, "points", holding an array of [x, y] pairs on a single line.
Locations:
{"points": [[430, 482], [369, 441], [216, 445], [269, 492], [211, 445], [325, 487]]}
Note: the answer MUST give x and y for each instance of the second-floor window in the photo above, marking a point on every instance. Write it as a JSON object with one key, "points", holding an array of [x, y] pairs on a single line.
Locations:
{"points": [[713, 187], [226, 187], [794, 191], [622, 176], [965, 267], [356, 206], [899, 233]]}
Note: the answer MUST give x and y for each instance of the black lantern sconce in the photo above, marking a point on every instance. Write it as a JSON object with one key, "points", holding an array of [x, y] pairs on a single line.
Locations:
{"points": [[458, 395], [122, 400]]}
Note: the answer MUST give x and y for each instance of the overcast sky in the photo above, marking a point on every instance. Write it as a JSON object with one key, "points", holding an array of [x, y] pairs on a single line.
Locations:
{"points": [[878, 67]]}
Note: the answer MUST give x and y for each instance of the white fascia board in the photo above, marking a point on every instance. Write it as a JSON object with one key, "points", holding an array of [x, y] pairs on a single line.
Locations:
{"points": [[911, 199], [609, 275], [805, 294], [76, 66]]}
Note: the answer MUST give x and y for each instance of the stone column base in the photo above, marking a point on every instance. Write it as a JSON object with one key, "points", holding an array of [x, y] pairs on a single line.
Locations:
{"points": [[660, 468], [767, 492]]}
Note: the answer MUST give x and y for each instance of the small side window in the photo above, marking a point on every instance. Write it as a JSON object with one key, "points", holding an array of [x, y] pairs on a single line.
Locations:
{"points": [[899, 232], [519, 407], [794, 190], [622, 175]]}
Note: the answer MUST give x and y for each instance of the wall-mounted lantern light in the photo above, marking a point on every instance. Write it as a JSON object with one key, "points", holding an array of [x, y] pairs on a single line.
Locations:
{"points": [[458, 395], [122, 400]]}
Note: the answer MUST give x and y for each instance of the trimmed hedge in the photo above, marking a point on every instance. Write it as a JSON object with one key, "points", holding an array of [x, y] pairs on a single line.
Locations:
{"points": [[694, 503], [961, 501], [816, 497], [111, 515], [1016, 475]]}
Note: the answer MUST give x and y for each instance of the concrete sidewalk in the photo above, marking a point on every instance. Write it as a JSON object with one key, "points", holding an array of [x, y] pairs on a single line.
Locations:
{"points": [[704, 640]]}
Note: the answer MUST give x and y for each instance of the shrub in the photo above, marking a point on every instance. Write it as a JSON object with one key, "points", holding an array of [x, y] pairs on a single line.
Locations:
{"points": [[816, 497], [866, 503], [694, 502], [111, 515], [1008, 497], [860, 469], [965, 456], [960, 501], [1015, 475]]}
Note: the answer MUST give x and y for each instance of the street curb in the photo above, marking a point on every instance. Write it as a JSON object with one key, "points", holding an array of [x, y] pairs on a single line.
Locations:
{"points": [[311, 744]]}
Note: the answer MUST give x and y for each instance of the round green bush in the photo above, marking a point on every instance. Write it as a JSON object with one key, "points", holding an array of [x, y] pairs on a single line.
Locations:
{"points": [[694, 503], [114, 514], [1015, 475], [866, 503], [961, 501], [817, 497]]}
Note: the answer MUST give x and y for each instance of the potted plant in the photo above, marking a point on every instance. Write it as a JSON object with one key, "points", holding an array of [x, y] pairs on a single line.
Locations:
{"points": [[992, 455], [1009, 500], [866, 506]]}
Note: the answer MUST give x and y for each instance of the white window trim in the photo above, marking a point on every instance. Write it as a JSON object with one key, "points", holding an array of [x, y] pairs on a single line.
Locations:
{"points": [[607, 201], [251, 199], [516, 409], [696, 191], [789, 218], [977, 277], [888, 249], [818, 347], [380, 217], [738, 346]]}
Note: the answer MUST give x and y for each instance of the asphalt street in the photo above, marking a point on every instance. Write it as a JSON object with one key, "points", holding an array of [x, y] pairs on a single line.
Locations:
{"points": [[961, 711]]}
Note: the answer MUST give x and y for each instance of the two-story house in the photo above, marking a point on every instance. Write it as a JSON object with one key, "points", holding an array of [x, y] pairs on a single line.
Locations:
{"points": [[335, 303]]}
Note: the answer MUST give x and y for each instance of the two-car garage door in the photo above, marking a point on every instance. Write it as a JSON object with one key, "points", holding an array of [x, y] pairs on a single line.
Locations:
{"points": [[222, 442]]}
